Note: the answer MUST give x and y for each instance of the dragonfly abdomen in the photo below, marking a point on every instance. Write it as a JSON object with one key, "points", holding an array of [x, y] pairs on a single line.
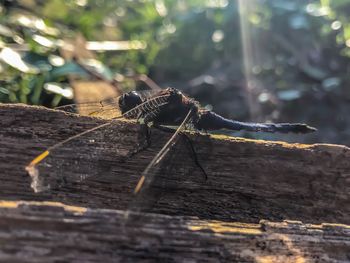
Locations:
{"points": [[209, 120]]}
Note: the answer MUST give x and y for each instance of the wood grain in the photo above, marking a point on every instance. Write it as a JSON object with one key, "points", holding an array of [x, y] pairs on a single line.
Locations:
{"points": [[248, 180], [52, 232]]}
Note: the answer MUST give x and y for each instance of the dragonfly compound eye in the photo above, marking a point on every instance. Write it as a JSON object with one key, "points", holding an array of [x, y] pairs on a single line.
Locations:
{"points": [[129, 101]]}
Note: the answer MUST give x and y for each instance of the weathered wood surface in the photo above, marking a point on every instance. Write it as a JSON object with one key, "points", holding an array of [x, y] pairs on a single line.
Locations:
{"points": [[248, 180], [51, 232]]}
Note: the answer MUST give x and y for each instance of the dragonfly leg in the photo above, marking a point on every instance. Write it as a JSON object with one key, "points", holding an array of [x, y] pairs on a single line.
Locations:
{"points": [[189, 142], [145, 140], [164, 129], [194, 155]]}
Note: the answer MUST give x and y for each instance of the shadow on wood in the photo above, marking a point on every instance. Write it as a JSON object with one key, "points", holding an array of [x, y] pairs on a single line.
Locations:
{"points": [[248, 180]]}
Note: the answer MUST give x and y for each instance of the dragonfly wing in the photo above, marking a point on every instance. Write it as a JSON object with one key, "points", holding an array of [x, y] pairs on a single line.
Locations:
{"points": [[108, 108], [58, 166], [148, 81], [146, 94], [54, 158], [148, 108], [144, 197]]}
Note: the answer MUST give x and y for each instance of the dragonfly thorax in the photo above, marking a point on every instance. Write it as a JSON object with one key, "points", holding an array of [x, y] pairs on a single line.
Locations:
{"points": [[178, 106]]}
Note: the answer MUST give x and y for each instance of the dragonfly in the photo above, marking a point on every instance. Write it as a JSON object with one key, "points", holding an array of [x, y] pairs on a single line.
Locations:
{"points": [[161, 109], [166, 109]]}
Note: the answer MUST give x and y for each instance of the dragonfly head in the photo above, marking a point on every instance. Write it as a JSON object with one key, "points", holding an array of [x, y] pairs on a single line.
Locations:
{"points": [[129, 101]]}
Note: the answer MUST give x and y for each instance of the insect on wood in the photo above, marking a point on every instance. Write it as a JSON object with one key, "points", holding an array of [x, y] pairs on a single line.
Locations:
{"points": [[160, 109]]}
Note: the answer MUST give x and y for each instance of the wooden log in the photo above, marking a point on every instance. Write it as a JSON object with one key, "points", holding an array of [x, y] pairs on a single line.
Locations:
{"points": [[52, 232], [248, 180]]}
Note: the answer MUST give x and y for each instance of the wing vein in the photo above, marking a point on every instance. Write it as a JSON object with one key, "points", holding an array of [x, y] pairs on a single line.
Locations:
{"points": [[145, 179]]}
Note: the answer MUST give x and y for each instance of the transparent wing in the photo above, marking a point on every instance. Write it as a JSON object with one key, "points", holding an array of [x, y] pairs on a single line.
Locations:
{"points": [[144, 195], [53, 160], [80, 156], [107, 108]]}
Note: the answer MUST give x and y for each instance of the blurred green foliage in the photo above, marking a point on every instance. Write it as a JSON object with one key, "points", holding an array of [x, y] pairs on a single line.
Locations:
{"points": [[296, 45]]}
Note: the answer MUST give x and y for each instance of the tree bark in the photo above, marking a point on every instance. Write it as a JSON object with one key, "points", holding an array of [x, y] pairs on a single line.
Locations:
{"points": [[248, 180], [52, 232]]}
